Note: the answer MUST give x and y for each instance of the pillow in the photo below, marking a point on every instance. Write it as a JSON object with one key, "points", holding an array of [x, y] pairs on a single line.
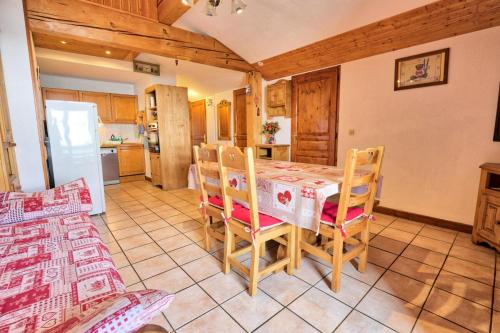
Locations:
{"points": [[73, 197], [124, 313]]}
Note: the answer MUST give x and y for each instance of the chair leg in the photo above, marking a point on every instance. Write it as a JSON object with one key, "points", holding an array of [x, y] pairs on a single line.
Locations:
{"points": [[228, 249], [298, 247], [365, 238], [206, 225], [338, 244], [262, 250], [254, 269], [290, 250]]}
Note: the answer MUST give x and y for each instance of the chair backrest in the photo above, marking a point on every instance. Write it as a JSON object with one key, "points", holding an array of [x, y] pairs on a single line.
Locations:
{"points": [[232, 158], [203, 158], [362, 168]]}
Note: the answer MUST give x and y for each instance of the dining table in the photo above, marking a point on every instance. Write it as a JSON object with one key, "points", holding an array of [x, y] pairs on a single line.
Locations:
{"points": [[290, 191]]}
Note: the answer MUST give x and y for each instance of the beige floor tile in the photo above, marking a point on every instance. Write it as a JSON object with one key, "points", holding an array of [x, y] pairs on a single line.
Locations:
{"points": [[376, 228], [469, 269], [415, 270], [439, 234], [459, 285], [127, 232], [431, 323], [311, 271], [174, 242], [351, 290], [120, 260], [286, 321], [128, 275], [136, 287], [431, 244], [134, 241], [369, 276], [459, 310], [474, 255], [116, 218], [383, 219], [214, 321], [380, 257], [171, 281], [187, 226], [222, 287], [202, 268], [187, 253], [154, 266], [408, 289], [168, 213], [121, 225], [249, 311], [196, 235], [359, 323], [113, 247], [155, 225], [389, 310], [159, 320], [143, 252], [465, 240], [388, 244], [425, 256], [163, 233], [187, 305], [495, 323], [106, 237], [407, 225], [496, 306], [320, 310], [397, 234], [138, 213], [283, 287], [175, 219], [133, 208], [150, 217]]}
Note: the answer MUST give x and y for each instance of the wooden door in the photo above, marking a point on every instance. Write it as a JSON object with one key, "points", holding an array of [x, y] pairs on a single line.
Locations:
{"points": [[240, 118], [103, 102], [60, 94], [314, 116], [124, 108], [198, 119]]}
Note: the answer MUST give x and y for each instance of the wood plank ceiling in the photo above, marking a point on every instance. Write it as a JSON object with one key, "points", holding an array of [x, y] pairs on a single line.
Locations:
{"points": [[438, 20], [170, 10], [87, 22]]}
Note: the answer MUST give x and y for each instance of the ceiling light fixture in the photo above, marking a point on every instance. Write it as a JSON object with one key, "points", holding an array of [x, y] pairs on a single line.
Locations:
{"points": [[237, 6], [63, 42], [108, 52], [212, 5], [189, 3]]}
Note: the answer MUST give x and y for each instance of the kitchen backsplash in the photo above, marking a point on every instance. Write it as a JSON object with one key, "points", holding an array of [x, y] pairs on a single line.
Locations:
{"points": [[126, 131]]}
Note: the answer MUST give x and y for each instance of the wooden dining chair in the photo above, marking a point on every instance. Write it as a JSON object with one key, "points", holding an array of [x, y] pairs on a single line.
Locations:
{"points": [[349, 220], [245, 221], [211, 205]]}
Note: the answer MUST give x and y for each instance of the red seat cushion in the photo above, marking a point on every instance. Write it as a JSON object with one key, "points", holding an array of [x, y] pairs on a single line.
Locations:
{"points": [[242, 214], [329, 214], [216, 201]]}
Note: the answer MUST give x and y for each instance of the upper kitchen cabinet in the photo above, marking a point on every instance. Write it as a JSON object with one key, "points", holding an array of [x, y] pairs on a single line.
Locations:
{"points": [[279, 98], [124, 108], [60, 94], [103, 102]]}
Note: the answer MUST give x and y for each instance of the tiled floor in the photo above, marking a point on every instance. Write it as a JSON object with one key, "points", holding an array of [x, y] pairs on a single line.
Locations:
{"points": [[419, 279]]}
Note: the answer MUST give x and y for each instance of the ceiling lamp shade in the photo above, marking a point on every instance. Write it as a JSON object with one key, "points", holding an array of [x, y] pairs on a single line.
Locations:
{"points": [[189, 3], [211, 9], [237, 6]]}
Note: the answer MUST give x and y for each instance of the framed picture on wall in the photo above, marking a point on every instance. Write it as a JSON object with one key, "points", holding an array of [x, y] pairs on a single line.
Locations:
{"points": [[422, 70]]}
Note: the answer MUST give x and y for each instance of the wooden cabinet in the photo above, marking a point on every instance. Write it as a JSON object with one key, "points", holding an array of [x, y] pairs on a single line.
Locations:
{"points": [[273, 152], [130, 159], [279, 98], [103, 102], [112, 108], [60, 94], [155, 168], [487, 220], [124, 108]]}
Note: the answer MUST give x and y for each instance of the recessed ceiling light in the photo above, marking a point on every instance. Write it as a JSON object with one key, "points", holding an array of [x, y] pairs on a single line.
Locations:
{"points": [[260, 63], [63, 42], [108, 52]]}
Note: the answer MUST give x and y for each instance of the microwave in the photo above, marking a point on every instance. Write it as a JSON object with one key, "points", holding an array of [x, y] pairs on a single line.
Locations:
{"points": [[153, 126]]}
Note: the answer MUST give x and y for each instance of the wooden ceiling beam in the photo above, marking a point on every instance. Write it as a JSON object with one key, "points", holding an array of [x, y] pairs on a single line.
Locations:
{"points": [[437, 20], [90, 23], [169, 11]]}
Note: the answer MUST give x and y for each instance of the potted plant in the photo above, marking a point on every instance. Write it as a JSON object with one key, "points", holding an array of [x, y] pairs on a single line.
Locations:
{"points": [[269, 129]]}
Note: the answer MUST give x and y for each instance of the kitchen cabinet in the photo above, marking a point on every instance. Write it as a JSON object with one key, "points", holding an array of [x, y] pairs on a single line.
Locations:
{"points": [[103, 102], [279, 98], [274, 152], [124, 108], [155, 168], [60, 94], [130, 159]]}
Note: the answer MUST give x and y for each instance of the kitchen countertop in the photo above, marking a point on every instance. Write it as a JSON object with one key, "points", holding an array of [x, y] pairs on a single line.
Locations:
{"points": [[125, 144]]}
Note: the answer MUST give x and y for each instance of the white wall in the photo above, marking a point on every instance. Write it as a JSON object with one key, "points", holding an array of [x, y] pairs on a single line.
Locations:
{"points": [[212, 135], [76, 83], [19, 88]]}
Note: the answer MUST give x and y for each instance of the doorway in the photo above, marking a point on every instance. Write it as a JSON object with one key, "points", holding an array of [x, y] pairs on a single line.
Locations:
{"points": [[240, 118], [198, 119]]}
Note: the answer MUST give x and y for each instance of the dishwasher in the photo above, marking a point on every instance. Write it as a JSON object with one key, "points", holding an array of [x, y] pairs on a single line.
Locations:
{"points": [[109, 159]]}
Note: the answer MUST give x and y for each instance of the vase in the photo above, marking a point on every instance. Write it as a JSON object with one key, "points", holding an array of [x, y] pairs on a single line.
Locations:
{"points": [[270, 138]]}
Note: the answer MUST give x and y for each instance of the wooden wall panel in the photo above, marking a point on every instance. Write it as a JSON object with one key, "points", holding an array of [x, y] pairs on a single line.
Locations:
{"points": [[437, 20], [170, 10]]}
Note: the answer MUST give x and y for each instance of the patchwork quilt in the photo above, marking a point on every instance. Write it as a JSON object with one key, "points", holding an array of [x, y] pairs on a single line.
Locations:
{"points": [[52, 269]]}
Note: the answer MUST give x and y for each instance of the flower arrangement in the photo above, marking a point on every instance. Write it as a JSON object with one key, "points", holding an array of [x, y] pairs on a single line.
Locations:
{"points": [[269, 129]]}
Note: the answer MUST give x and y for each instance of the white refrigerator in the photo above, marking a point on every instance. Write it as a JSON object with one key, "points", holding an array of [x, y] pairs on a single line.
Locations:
{"points": [[73, 146]]}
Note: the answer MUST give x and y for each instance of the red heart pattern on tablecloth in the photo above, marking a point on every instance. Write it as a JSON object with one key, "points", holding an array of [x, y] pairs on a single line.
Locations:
{"points": [[285, 197]]}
